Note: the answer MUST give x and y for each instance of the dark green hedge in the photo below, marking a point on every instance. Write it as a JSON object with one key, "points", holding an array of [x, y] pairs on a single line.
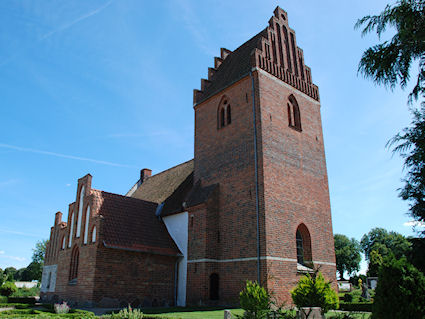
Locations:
{"points": [[356, 306]]}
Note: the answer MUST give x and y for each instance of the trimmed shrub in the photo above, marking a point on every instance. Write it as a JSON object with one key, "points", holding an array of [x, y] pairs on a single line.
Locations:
{"points": [[400, 292], [314, 291], [8, 288], [348, 298], [255, 300], [356, 306], [3, 299]]}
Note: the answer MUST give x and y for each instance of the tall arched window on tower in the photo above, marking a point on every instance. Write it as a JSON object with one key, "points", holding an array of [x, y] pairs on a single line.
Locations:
{"points": [[71, 230], [86, 228], [73, 268], [303, 243], [224, 115], [214, 286], [80, 211], [294, 116]]}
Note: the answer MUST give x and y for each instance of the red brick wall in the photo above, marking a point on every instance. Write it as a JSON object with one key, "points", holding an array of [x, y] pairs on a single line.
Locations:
{"points": [[295, 183], [124, 277]]}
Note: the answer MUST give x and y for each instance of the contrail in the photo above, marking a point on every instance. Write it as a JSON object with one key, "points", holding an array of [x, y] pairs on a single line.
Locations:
{"points": [[83, 17], [78, 158]]}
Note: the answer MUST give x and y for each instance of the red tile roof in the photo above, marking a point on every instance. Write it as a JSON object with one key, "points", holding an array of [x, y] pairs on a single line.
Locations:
{"points": [[130, 224]]}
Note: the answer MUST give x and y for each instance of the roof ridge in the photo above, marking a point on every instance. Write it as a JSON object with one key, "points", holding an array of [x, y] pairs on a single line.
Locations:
{"points": [[124, 196], [168, 169]]}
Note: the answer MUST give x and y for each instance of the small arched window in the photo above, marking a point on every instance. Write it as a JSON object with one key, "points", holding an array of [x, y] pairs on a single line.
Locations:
{"points": [[86, 228], [294, 116], [214, 287], [224, 115], [73, 269], [303, 243], [93, 235]]}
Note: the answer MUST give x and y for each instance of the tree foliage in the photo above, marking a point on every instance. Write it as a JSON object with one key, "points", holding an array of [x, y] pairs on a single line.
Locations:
{"points": [[255, 300], [389, 62], [347, 253], [379, 243], [410, 144], [39, 251], [400, 292], [313, 290]]}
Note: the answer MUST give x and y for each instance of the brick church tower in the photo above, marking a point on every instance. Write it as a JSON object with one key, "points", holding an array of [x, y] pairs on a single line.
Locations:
{"points": [[259, 153]]}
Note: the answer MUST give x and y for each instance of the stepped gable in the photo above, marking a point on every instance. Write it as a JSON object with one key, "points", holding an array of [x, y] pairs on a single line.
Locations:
{"points": [[130, 224], [159, 187], [273, 50]]}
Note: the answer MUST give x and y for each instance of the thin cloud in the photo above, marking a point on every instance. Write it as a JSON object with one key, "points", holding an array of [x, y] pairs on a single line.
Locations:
{"points": [[78, 158], [79, 19], [194, 26], [1, 252], [13, 257], [14, 232], [414, 223]]}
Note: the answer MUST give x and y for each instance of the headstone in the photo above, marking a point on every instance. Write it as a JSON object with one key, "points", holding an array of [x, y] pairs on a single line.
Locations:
{"points": [[227, 314], [365, 292], [310, 313]]}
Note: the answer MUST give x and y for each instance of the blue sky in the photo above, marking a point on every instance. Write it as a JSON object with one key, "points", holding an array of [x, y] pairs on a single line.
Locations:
{"points": [[105, 87]]}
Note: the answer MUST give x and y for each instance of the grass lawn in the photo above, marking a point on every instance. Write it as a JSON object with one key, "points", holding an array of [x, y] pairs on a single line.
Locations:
{"points": [[185, 313]]}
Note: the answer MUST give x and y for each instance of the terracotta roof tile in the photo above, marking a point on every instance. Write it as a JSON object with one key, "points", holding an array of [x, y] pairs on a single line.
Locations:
{"points": [[159, 187], [130, 224]]}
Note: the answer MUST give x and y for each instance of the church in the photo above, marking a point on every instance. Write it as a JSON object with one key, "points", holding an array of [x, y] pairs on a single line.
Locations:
{"points": [[252, 204]]}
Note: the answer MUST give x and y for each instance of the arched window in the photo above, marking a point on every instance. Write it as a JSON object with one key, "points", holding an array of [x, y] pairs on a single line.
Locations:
{"points": [[222, 121], [63, 242], [303, 243], [294, 116], [214, 287], [71, 231], [86, 228], [224, 115], [73, 269], [80, 211], [93, 235]]}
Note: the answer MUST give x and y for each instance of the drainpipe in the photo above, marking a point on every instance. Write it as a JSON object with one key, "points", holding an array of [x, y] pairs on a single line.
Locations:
{"points": [[257, 202], [176, 274]]}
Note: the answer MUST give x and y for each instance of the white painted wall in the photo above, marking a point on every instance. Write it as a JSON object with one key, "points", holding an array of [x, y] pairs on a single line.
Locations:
{"points": [[49, 272], [177, 226]]}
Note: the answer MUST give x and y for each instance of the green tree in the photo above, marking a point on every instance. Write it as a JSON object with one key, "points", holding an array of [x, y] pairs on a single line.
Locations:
{"points": [[400, 292], [389, 63], [347, 253], [313, 290], [2, 277], [410, 144], [379, 243], [10, 272], [39, 251]]}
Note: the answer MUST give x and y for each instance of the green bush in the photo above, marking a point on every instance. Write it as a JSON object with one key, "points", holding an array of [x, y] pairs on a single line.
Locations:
{"points": [[7, 289], [255, 300], [3, 299], [400, 292], [27, 292], [314, 291], [356, 306], [348, 298]]}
